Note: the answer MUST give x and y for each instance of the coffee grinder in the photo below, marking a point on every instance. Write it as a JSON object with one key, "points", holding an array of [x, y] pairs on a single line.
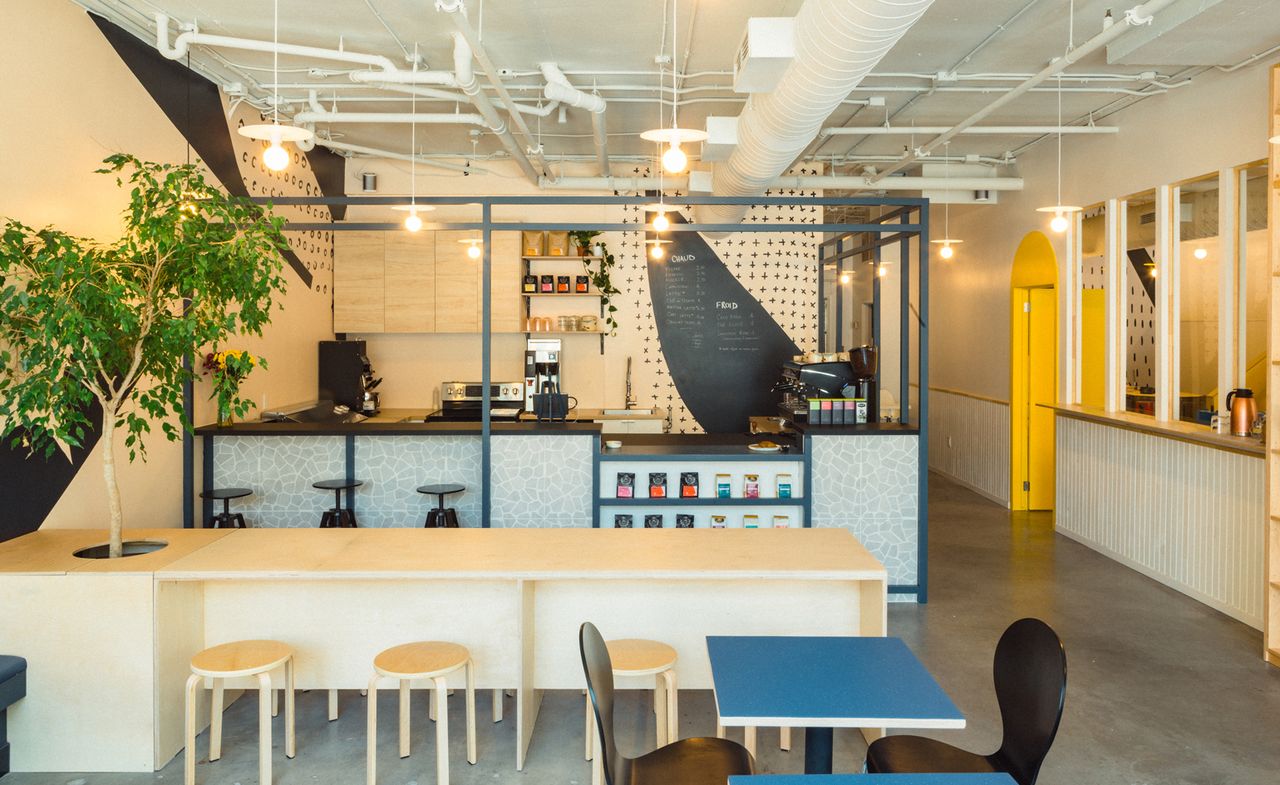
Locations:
{"points": [[541, 368], [864, 364]]}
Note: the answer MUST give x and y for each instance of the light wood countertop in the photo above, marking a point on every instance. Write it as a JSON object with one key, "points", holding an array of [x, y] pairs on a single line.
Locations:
{"points": [[472, 554], [1174, 429]]}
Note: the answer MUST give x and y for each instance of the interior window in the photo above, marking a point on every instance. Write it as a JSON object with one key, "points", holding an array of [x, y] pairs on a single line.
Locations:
{"points": [[1140, 302], [1200, 268]]}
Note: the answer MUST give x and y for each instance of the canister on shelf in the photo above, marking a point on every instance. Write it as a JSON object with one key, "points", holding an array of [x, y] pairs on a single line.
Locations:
{"points": [[751, 486]]}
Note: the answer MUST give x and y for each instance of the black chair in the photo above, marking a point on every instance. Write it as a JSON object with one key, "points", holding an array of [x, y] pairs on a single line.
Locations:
{"points": [[1031, 685], [338, 517], [697, 761]]}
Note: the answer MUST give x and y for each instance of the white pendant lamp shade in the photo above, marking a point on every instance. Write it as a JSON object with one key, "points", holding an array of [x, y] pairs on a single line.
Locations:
{"points": [[947, 251], [1059, 223], [474, 247], [1275, 139], [413, 223], [656, 251], [276, 158], [674, 159]]}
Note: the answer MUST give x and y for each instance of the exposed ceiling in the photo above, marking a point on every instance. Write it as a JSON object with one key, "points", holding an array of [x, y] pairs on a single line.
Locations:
{"points": [[956, 59]]}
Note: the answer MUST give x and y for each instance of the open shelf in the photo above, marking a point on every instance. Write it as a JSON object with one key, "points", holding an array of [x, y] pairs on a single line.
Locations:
{"points": [[562, 332], [560, 294], [676, 501], [560, 258]]}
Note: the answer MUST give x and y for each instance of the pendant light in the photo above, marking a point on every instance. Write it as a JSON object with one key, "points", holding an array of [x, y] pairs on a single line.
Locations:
{"points": [[413, 223], [674, 159], [946, 251], [276, 158], [474, 247], [656, 251], [1059, 223]]}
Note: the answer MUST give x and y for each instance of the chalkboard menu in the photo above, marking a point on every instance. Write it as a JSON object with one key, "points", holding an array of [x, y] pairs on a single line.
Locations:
{"points": [[724, 350]]}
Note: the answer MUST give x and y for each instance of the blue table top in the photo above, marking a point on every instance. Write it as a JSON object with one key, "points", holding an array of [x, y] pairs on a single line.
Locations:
{"points": [[825, 682], [874, 779]]}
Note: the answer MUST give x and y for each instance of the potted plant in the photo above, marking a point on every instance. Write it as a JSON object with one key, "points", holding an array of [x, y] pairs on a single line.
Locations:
{"points": [[89, 328], [602, 279], [583, 241]]}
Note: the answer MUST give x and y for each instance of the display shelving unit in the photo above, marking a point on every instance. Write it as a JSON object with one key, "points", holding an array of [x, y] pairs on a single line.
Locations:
{"points": [[528, 298], [1271, 591]]}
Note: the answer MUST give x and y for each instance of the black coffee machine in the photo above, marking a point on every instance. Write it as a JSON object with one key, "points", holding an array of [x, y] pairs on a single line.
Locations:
{"points": [[852, 378], [346, 378]]}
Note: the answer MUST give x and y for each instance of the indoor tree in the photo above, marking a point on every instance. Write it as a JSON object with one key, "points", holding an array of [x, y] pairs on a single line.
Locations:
{"points": [[86, 326]]}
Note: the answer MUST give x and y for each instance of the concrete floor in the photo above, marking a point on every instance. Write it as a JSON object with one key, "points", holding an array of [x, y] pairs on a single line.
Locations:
{"points": [[1161, 689]]}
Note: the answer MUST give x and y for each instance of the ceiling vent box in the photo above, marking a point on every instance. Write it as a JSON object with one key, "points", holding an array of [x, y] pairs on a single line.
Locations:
{"points": [[767, 48], [722, 137], [699, 182]]}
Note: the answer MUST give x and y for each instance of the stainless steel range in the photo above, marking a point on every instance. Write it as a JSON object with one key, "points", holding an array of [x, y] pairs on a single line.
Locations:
{"points": [[463, 401]]}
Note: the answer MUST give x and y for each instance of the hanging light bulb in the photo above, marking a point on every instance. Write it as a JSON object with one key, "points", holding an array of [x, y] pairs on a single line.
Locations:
{"points": [[1059, 223], [946, 251], [276, 158], [656, 252], [661, 222], [474, 251], [674, 160], [846, 278], [882, 271], [412, 222], [1201, 253]]}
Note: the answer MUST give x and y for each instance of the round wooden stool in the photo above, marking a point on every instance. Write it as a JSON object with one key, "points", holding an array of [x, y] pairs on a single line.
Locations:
{"points": [[234, 660], [432, 660], [634, 657], [226, 519]]}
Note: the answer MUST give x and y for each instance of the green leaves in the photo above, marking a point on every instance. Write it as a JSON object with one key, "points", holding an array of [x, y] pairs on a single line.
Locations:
{"points": [[602, 280], [83, 322]]}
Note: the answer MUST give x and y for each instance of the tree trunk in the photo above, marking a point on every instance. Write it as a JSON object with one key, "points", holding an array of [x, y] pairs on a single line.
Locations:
{"points": [[116, 547]]}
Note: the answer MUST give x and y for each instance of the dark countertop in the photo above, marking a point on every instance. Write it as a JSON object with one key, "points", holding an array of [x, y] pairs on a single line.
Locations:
{"points": [[371, 428], [732, 446], [867, 429]]}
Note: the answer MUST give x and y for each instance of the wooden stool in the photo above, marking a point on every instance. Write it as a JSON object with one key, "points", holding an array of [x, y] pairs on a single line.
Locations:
{"points": [[419, 661], [233, 660], [638, 657]]}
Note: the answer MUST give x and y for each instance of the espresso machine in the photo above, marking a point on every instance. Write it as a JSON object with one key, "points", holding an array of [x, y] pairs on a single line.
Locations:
{"points": [[541, 368], [843, 375], [346, 377]]}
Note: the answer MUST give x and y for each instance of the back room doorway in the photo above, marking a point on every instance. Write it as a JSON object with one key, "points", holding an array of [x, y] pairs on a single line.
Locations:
{"points": [[1033, 373]]}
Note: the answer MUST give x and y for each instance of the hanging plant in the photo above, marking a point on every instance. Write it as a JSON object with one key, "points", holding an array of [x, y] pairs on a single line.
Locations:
{"points": [[602, 280]]}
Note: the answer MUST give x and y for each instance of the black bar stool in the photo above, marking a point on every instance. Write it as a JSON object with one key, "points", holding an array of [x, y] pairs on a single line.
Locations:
{"points": [[338, 518], [441, 517], [226, 519]]}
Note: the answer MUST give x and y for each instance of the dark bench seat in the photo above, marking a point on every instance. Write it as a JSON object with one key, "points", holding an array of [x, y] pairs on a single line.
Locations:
{"points": [[13, 687]]}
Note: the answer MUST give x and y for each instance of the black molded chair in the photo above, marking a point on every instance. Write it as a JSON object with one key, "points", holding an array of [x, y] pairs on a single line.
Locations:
{"points": [[699, 761], [1031, 685]]}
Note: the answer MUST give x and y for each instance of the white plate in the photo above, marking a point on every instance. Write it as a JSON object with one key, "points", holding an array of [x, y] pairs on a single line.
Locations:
{"points": [[758, 448], [612, 444]]}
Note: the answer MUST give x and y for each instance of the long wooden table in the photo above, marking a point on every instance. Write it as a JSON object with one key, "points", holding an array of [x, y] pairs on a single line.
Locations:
{"points": [[109, 642]]}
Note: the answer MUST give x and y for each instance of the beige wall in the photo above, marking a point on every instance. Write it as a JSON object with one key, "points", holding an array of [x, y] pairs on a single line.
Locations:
{"points": [[71, 102], [1162, 140]]}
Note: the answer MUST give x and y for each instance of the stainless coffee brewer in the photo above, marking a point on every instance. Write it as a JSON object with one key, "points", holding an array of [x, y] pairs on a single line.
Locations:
{"points": [[541, 368]]}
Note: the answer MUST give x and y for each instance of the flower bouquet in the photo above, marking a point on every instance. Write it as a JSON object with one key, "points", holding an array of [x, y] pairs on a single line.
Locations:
{"points": [[227, 369]]}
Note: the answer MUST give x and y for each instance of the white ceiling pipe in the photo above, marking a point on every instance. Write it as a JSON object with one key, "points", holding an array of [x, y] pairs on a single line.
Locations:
{"points": [[990, 130], [421, 118], [182, 44], [441, 78], [343, 147], [1139, 14], [559, 89], [467, 82], [838, 42], [806, 181]]}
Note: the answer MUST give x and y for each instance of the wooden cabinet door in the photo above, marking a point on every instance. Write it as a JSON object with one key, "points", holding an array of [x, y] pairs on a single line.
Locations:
{"points": [[358, 282], [507, 306], [410, 282], [457, 285]]}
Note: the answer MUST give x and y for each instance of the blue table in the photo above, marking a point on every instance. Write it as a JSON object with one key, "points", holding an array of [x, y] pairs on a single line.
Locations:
{"points": [[821, 683], [875, 779]]}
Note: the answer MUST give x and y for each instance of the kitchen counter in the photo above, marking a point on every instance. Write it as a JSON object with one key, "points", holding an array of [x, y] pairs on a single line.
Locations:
{"points": [[384, 425]]}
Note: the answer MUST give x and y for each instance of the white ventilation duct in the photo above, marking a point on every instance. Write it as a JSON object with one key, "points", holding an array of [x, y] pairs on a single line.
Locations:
{"points": [[838, 42], [559, 89]]}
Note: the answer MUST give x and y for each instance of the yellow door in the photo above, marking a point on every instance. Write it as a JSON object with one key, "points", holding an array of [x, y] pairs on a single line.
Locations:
{"points": [[1042, 385], [1093, 348]]}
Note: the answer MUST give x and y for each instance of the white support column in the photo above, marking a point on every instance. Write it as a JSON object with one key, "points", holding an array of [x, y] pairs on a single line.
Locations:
{"points": [[1229, 290], [1238, 229], [1166, 403], [1070, 314], [1116, 284]]}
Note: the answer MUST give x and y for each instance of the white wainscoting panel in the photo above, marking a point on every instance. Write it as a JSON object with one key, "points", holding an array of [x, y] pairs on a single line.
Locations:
{"points": [[969, 442], [1189, 516]]}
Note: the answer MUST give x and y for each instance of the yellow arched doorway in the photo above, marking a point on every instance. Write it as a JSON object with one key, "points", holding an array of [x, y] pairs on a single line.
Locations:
{"points": [[1033, 373]]}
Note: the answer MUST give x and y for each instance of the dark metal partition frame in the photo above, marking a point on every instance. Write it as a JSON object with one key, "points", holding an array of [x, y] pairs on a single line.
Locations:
{"points": [[903, 231]]}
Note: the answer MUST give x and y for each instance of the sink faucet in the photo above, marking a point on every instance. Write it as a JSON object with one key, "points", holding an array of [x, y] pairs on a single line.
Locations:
{"points": [[631, 401]]}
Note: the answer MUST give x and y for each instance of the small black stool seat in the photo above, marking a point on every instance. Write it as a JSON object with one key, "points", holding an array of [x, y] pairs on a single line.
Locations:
{"points": [[338, 517], [13, 687], [441, 517], [226, 519]]}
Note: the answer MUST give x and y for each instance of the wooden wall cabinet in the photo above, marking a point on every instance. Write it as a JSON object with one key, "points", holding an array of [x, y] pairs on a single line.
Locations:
{"points": [[424, 282]]}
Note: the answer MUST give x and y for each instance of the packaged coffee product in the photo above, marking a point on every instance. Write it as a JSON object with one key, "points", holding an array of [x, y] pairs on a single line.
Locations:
{"points": [[689, 485], [815, 411], [562, 284], [557, 243], [825, 417], [621, 521], [723, 490], [860, 409], [581, 284], [534, 243], [684, 521], [530, 284], [784, 486], [653, 521], [548, 284], [751, 521], [626, 485], [719, 522], [657, 485], [782, 521], [751, 486]]}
